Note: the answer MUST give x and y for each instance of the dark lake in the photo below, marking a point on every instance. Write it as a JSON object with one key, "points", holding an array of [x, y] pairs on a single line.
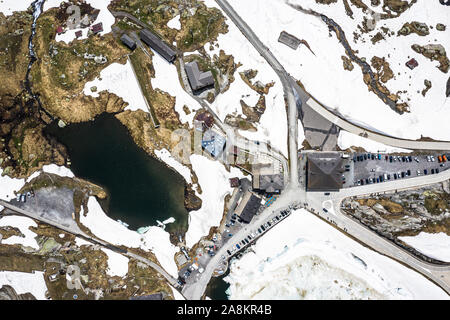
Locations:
{"points": [[217, 287], [140, 188]]}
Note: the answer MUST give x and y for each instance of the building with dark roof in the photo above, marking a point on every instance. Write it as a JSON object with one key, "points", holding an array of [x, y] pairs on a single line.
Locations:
{"points": [[248, 207], [155, 296], [96, 28], [267, 179], [198, 79], [324, 172], [213, 143], [59, 30], [203, 121], [234, 182], [78, 34], [158, 45], [128, 41], [412, 63]]}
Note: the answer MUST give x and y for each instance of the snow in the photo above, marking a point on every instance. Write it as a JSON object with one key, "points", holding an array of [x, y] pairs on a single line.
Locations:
{"points": [[234, 42], [213, 180], [119, 79], [166, 79], [175, 23], [109, 230], [23, 282], [23, 224], [104, 16], [305, 258], [165, 156], [345, 91], [8, 186], [7, 7], [176, 294], [433, 245], [347, 140], [117, 263], [59, 170]]}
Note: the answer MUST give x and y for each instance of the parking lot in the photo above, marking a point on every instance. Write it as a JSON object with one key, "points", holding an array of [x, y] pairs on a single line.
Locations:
{"points": [[368, 168]]}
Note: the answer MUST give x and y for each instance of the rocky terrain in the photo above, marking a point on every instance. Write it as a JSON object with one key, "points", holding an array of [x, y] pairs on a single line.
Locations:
{"points": [[404, 213]]}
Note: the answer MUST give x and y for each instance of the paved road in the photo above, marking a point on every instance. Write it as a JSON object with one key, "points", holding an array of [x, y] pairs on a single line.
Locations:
{"points": [[78, 232], [294, 193], [285, 80], [376, 136]]}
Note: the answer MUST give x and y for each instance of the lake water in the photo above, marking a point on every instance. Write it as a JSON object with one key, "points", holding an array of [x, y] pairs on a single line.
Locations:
{"points": [[140, 188]]}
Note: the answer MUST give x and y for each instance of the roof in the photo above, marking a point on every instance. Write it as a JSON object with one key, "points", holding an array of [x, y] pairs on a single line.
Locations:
{"points": [[234, 182], [59, 30], [128, 41], [206, 118], [78, 33], [248, 206], [271, 183], [324, 172], [198, 79], [97, 27], [158, 45], [412, 63], [155, 296], [213, 142]]}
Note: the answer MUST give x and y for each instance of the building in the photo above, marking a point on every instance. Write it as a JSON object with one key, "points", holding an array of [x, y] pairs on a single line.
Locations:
{"points": [[234, 182], [96, 28], [128, 41], [158, 45], [324, 172], [267, 179], [412, 63], [289, 40], [198, 79], [203, 121], [248, 207], [213, 143], [155, 296], [59, 30], [78, 34]]}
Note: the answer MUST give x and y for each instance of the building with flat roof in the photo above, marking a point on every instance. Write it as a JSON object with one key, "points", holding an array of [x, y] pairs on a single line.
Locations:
{"points": [[324, 172], [96, 28], [289, 40], [198, 79], [128, 41], [154, 42], [213, 143], [248, 207]]}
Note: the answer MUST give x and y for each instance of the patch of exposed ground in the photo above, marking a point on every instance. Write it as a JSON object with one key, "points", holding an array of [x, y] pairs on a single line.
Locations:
{"points": [[404, 213], [384, 72], [434, 52], [416, 27]]}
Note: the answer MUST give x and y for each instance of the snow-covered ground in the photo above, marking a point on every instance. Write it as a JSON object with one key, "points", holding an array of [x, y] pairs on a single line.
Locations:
{"points": [[165, 156], [323, 74], [104, 16], [213, 180], [24, 282], [347, 140], [119, 79], [234, 42], [117, 263], [305, 258], [23, 224], [175, 23], [7, 7], [433, 245], [166, 79], [107, 229]]}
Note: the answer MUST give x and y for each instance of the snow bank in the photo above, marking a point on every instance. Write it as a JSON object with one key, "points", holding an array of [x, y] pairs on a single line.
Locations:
{"points": [[345, 90], [23, 224], [109, 230], [117, 263], [347, 140], [59, 170], [23, 282], [305, 258], [7, 7], [165, 156], [104, 16], [8, 186], [119, 79], [175, 23], [433, 245], [213, 180], [166, 79]]}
